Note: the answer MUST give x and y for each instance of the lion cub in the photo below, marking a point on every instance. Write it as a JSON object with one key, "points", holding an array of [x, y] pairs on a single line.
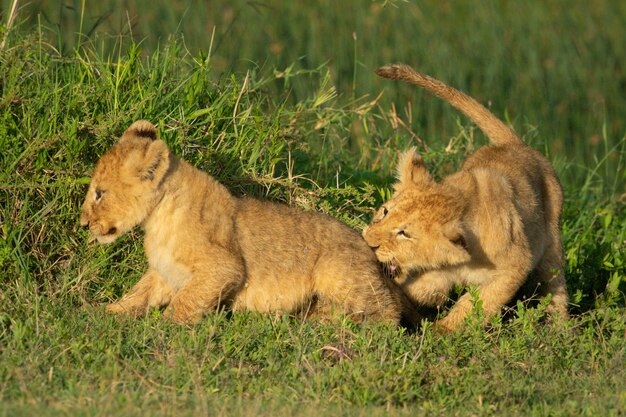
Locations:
{"points": [[207, 248], [490, 224]]}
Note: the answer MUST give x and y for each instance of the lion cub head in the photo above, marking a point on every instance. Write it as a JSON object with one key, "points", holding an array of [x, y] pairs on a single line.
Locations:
{"points": [[420, 227], [124, 187]]}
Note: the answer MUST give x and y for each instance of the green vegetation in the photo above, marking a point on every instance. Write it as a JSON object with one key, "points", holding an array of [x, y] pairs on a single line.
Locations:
{"points": [[552, 66], [302, 134]]}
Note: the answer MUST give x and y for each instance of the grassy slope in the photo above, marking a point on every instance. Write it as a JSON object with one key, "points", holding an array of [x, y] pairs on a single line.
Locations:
{"points": [[60, 353]]}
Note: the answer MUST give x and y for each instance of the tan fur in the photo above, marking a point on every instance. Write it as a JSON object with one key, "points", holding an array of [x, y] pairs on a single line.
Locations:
{"points": [[206, 248], [490, 224]]}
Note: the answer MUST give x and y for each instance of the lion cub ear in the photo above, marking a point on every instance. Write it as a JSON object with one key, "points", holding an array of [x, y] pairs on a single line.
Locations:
{"points": [[140, 129], [148, 157], [155, 162], [411, 170]]}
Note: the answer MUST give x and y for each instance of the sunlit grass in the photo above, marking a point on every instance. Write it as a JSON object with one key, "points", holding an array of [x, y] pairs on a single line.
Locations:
{"points": [[61, 108]]}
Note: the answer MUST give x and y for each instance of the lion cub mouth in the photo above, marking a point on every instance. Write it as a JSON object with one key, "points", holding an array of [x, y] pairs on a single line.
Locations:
{"points": [[392, 270]]}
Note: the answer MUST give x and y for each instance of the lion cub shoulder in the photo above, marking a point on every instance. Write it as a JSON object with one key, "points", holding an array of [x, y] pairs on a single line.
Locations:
{"points": [[207, 248]]}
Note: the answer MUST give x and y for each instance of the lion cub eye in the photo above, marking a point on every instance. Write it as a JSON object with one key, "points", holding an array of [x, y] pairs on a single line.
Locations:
{"points": [[402, 234], [380, 214], [99, 194]]}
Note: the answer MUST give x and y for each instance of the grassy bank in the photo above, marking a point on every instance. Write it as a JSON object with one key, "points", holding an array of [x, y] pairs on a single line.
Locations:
{"points": [[60, 354]]}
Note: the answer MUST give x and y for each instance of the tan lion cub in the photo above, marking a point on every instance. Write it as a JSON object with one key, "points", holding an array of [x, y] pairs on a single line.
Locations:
{"points": [[207, 248], [490, 224]]}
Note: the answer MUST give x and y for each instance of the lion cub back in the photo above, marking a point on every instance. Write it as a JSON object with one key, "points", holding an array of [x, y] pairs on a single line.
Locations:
{"points": [[291, 254]]}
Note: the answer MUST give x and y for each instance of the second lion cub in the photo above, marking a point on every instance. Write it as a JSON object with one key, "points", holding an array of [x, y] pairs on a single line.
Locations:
{"points": [[490, 224], [206, 247]]}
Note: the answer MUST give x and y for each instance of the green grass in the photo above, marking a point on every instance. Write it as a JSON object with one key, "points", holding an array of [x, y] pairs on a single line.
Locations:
{"points": [[96, 365], [554, 67], [60, 109]]}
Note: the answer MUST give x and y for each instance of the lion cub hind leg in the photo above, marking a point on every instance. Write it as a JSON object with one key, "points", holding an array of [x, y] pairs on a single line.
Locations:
{"points": [[355, 286], [549, 272], [150, 291], [211, 284], [320, 309]]}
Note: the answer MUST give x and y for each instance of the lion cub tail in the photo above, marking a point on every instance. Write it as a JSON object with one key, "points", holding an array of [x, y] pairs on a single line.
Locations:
{"points": [[494, 128]]}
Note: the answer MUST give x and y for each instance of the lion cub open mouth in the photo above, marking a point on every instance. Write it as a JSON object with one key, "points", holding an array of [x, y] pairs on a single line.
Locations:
{"points": [[207, 248], [391, 269], [490, 224]]}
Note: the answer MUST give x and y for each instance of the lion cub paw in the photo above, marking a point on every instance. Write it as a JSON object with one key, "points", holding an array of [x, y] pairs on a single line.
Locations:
{"points": [[119, 308], [114, 308], [446, 326], [182, 315]]}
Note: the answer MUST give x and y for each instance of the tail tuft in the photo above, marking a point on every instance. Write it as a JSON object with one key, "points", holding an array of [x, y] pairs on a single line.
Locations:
{"points": [[389, 71]]}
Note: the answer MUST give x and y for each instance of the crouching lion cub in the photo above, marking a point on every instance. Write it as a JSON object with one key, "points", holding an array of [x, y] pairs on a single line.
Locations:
{"points": [[207, 248], [490, 224]]}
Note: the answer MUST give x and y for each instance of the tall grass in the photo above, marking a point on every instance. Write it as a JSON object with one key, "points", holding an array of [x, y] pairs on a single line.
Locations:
{"points": [[62, 105], [552, 67]]}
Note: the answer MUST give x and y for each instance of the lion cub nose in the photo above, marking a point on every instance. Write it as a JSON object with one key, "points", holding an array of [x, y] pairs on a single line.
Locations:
{"points": [[85, 225]]}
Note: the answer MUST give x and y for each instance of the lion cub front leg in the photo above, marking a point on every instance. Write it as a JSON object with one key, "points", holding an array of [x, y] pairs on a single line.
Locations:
{"points": [[150, 291], [212, 284], [494, 294], [430, 289]]}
